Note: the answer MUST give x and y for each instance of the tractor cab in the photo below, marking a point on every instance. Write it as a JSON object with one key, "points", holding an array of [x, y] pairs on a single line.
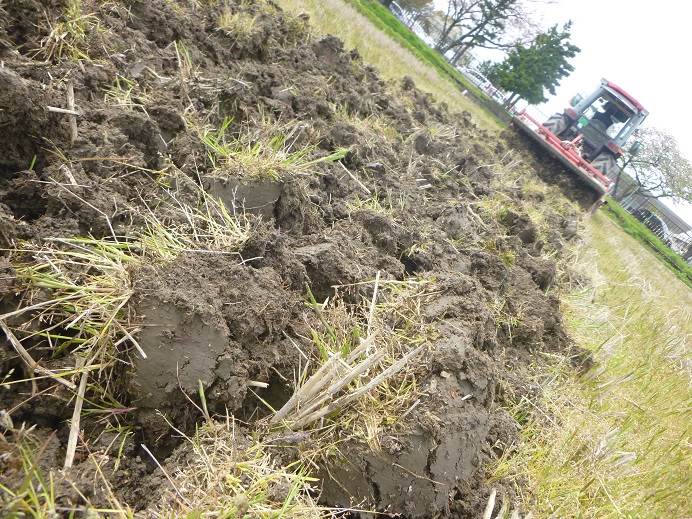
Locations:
{"points": [[600, 124], [589, 136], [608, 117]]}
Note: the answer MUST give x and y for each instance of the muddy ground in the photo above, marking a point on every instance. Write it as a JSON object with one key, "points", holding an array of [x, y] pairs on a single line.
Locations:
{"points": [[418, 192]]}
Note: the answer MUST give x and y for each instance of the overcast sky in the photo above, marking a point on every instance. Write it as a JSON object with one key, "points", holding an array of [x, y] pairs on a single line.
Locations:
{"points": [[643, 46]]}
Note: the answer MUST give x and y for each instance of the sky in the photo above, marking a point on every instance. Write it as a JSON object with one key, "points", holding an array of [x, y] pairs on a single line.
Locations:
{"points": [[642, 46]]}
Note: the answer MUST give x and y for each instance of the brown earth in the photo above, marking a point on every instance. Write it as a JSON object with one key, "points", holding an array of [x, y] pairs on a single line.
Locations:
{"points": [[224, 320]]}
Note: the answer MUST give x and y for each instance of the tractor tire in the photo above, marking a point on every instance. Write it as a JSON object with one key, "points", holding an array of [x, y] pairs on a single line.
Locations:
{"points": [[557, 124], [606, 164]]}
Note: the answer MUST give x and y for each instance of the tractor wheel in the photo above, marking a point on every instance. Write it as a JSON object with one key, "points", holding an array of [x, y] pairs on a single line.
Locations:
{"points": [[556, 124], [606, 164]]}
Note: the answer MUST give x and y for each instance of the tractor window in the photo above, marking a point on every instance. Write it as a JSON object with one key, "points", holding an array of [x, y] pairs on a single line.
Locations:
{"points": [[615, 130], [591, 111], [607, 115]]}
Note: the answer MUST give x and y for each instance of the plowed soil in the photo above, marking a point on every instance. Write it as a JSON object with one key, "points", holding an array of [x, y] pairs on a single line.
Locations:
{"points": [[417, 193]]}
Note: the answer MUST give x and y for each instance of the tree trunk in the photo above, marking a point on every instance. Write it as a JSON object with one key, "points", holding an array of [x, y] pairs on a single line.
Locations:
{"points": [[457, 56], [442, 40]]}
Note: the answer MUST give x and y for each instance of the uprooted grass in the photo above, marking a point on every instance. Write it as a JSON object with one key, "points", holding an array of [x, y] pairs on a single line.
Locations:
{"points": [[361, 28], [237, 25], [262, 149], [126, 93], [374, 127], [362, 379], [75, 291], [34, 496], [541, 203], [614, 442], [68, 37], [225, 472], [385, 205]]}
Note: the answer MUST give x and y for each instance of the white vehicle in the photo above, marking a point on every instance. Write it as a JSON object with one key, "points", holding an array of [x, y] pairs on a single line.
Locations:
{"points": [[483, 83], [397, 11]]}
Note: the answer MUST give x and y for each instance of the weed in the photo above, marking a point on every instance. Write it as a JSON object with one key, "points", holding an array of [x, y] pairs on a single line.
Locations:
{"points": [[505, 319], [75, 293], [35, 495], [362, 377], [206, 227], [373, 126], [68, 38], [239, 25], [263, 150], [124, 93], [229, 474], [382, 205], [186, 67], [89, 284], [508, 257]]}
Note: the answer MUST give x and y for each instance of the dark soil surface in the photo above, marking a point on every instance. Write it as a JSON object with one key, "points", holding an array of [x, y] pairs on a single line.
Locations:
{"points": [[223, 321]]}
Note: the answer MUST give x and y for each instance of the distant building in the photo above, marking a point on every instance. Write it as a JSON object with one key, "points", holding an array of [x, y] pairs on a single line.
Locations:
{"points": [[677, 231]]}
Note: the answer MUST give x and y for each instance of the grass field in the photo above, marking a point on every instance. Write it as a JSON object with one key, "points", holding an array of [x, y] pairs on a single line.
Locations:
{"points": [[384, 20], [392, 48], [643, 235], [615, 442]]}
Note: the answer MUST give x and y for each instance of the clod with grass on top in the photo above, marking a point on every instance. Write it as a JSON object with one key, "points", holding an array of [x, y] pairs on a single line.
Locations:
{"points": [[223, 471], [262, 150], [68, 38], [364, 375]]}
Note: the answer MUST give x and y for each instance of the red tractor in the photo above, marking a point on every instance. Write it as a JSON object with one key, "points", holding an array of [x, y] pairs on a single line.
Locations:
{"points": [[589, 136]]}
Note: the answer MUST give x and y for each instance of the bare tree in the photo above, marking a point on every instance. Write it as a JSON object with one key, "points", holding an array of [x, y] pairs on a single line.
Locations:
{"points": [[659, 168], [495, 24]]}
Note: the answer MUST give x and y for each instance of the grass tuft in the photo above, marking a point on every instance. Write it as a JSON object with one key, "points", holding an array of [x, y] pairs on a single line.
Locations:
{"points": [[386, 206], [239, 25], [263, 149], [361, 378], [75, 291], [125, 94], [68, 37], [35, 496], [89, 286], [225, 473]]}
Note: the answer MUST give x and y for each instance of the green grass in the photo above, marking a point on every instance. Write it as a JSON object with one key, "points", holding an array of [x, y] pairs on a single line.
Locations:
{"points": [[643, 235], [68, 38], [265, 150], [384, 20], [362, 29], [615, 441]]}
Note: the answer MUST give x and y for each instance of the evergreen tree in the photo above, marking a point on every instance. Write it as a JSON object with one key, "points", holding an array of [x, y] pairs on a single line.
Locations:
{"points": [[528, 71]]}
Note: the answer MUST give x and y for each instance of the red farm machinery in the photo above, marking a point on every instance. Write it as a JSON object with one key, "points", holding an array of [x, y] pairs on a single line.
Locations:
{"points": [[589, 136]]}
